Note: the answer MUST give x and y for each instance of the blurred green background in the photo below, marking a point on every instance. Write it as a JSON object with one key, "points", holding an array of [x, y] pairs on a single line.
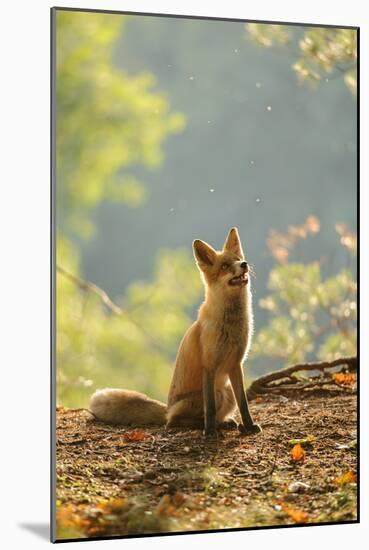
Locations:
{"points": [[169, 130]]}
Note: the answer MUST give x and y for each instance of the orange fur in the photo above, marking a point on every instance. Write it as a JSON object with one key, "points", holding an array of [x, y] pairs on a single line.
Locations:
{"points": [[218, 340], [127, 407]]}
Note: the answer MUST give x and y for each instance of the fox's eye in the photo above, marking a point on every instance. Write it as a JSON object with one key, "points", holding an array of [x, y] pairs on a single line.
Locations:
{"points": [[225, 266]]}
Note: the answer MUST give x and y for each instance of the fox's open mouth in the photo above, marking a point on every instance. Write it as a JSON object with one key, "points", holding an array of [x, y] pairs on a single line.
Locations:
{"points": [[240, 280]]}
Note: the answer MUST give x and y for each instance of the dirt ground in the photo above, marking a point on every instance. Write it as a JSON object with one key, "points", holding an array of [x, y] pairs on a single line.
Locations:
{"points": [[125, 481]]}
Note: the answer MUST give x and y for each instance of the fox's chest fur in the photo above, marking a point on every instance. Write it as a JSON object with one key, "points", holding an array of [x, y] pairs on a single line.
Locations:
{"points": [[226, 329], [217, 341]]}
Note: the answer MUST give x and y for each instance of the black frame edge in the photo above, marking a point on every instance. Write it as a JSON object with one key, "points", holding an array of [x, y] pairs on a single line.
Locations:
{"points": [[52, 278], [205, 17]]}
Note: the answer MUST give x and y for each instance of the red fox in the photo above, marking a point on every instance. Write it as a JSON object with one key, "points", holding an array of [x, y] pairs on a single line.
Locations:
{"points": [[207, 383]]}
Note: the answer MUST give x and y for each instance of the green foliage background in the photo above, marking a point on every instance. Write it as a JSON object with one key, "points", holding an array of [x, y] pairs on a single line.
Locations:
{"points": [[309, 314], [321, 51], [110, 122], [107, 121]]}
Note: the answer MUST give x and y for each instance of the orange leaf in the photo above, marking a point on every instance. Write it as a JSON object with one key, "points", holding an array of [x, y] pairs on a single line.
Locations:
{"points": [[114, 505], [178, 499], [298, 516], [165, 506], [135, 435], [344, 379], [348, 477], [297, 453]]}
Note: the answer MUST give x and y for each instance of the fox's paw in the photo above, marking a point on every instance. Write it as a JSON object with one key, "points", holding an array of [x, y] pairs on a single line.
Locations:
{"points": [[251, 429], [211, 433], [229, 424]]}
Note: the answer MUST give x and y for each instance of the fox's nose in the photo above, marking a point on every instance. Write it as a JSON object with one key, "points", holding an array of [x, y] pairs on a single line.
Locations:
{"points": [[243, 265]]}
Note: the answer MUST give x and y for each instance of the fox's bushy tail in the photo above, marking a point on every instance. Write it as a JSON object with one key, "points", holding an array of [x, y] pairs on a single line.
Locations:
{"points": [[127, 407]]}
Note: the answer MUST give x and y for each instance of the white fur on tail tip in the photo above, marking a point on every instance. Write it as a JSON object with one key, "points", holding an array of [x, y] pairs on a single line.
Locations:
{"points": [[127, 407]]}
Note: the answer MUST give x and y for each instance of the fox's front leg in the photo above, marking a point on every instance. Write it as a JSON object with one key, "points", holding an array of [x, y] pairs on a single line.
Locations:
{"points": [[209, 402], [248, 426]]}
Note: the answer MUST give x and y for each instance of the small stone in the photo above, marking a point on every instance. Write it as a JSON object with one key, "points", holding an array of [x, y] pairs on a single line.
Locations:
{"points": [[297, 487]]}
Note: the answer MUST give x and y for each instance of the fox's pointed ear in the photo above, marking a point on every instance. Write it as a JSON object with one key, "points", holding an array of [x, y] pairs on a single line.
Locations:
{"points": [[233, 243], [204, 253]]}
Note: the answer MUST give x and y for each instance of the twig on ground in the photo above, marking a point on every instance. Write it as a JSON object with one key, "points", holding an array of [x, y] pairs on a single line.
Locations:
{"points": [[264, 384]]}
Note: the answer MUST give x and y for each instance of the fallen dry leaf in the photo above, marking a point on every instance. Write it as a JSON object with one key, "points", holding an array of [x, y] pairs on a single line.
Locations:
{"points": [[135, 435], [165, 506], [348, 477], [113, 505], [298, 516], [297, 453], [343, 379], [178, 499]]}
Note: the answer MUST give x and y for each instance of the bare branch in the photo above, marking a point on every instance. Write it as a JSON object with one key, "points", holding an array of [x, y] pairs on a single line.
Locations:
{"points": [[262, 385], [87, 285]]}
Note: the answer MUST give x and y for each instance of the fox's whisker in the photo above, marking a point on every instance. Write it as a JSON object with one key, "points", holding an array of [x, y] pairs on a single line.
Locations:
{"points": [[252, 271]]}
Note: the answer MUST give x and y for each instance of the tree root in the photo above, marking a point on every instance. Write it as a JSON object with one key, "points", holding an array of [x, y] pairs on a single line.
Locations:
{"points": [[282, 381]]}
